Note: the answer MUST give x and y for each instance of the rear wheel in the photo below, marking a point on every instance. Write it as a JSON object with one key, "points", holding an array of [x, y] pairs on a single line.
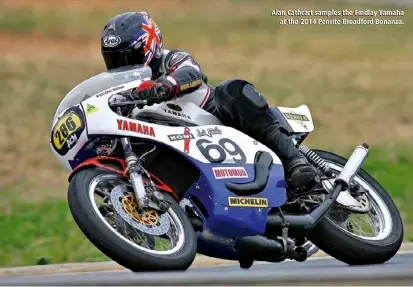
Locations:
{"points": [[103, 206], [344, 234]]}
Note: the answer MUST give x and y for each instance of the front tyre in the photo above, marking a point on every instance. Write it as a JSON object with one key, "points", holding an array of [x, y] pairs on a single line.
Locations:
{"points": [[91, 201], [343, 239]]}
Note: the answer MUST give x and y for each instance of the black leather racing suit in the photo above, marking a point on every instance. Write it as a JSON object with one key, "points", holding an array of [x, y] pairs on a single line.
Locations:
{"points": [[239, 105]]}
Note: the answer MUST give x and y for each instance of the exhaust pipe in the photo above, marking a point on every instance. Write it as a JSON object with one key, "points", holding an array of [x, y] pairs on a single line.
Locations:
{"points": [[260, 248], [353, 165], [302, 225]]}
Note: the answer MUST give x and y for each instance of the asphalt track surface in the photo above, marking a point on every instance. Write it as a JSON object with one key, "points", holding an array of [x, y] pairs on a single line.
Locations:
{"points": [[315, 271]]}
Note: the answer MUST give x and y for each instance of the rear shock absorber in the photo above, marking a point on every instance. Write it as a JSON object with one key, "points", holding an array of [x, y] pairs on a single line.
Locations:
{"points": [[315, 159]]}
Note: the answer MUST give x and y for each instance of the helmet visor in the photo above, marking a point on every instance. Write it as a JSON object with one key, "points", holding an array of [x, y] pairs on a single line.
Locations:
{"points": [[118, 59]]}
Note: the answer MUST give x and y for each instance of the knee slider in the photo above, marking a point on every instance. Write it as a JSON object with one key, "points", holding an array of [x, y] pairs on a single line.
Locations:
{"points": [[253, 96], [241, 90], [234, 87]]}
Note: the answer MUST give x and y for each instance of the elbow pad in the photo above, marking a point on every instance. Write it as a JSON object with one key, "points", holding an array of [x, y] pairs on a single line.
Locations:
{"points": [[186, 79]]}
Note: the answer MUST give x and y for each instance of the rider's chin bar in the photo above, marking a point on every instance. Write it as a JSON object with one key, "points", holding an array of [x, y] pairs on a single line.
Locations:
{"points": [[302, 225]]}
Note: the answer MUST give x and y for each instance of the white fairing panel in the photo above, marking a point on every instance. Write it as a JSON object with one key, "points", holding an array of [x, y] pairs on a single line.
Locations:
{"points": [[218, 141], [182, 110], [299, 118], [68, 133], [66, 146]]}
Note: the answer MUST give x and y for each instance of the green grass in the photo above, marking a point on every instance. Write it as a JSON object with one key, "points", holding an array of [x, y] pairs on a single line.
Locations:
{"points": [[43, 230], [356, 81], [393, 168]]}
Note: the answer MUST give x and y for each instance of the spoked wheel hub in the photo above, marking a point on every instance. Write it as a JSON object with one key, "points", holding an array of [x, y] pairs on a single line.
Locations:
{"points": [[150, 222], [147, 217]]}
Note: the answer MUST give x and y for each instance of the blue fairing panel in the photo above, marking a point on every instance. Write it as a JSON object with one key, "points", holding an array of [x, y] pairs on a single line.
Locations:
{"points": [[215, 183], [235, 221]]}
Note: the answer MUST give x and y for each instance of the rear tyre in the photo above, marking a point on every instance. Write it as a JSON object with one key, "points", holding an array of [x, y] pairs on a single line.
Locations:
{"points": [[115, 245], [338, 239]]}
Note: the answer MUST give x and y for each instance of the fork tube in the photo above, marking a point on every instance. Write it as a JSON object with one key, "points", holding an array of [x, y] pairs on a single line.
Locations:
{"points": [[127, 148], [134, 173]]}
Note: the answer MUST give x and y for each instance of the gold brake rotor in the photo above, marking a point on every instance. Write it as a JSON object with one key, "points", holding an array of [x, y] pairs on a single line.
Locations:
{"points": [[150, 217]]}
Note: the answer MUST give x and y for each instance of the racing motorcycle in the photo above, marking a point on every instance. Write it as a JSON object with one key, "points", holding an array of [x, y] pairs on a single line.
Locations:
{"points": [[152, 185]]}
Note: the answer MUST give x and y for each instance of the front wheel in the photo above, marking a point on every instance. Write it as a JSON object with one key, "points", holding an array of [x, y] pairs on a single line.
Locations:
{"points": [[340, 235], [103, 206]]}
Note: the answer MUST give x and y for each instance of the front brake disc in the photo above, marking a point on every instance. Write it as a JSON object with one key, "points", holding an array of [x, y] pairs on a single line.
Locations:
{"points": [[161, 227]]}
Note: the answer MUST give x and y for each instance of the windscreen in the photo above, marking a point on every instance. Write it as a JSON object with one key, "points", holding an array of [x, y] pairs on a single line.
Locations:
{"points": [[101, 82]]}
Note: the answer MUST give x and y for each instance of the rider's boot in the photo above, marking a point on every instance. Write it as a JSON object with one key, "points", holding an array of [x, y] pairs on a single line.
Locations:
{"points": [[299, 173]]}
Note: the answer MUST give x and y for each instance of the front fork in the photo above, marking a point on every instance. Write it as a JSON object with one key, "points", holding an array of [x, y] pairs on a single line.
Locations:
{"points": [[135, 171], [145, 200]]}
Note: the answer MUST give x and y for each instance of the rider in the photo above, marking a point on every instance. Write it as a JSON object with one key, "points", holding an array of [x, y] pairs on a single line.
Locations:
{"points": [[134, 38]]}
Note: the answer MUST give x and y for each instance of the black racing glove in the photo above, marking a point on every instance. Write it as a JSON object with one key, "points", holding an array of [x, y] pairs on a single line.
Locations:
{"points": [[156, 92]]}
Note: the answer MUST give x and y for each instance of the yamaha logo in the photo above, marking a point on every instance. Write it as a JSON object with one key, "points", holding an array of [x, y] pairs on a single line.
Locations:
{"points": [[174, 107], [111, 41]]}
